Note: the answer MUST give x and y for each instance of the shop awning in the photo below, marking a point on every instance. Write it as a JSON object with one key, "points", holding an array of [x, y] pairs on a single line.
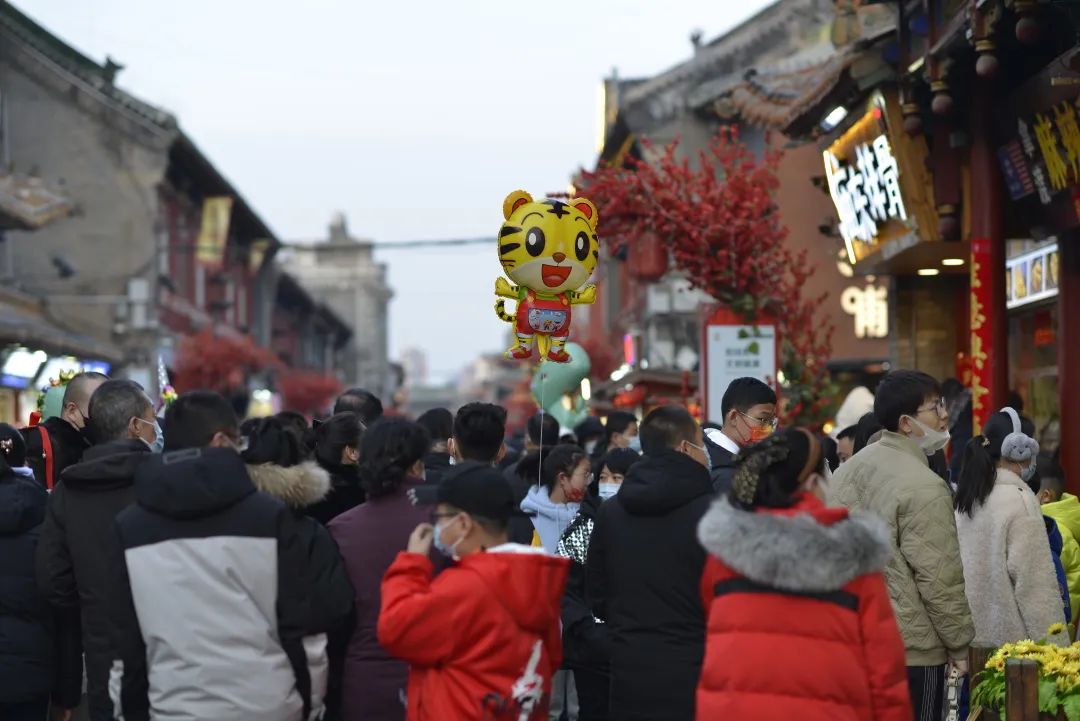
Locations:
{"points": [[26, 204], [24, 321]]}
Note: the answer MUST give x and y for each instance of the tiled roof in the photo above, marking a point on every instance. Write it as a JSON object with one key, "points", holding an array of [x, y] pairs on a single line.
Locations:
{"points": [[24, 320], [98, 77], [776, 99], [26, 204]]}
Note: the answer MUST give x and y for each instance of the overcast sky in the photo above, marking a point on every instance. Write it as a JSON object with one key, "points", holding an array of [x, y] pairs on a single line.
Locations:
{"points": [[413, 118]]}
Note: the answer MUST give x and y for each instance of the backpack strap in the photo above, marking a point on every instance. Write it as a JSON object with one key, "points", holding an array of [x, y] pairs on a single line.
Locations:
{"points": [[47, 453]]}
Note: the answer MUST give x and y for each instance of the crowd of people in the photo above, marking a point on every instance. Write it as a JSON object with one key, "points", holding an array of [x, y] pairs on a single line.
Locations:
{"points": [[372, 568]]}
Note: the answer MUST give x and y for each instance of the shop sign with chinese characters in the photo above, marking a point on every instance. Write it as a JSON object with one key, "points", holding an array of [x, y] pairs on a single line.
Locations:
{"points": [[1051, 143], [864, 181], [734, 349], [870, 308]]}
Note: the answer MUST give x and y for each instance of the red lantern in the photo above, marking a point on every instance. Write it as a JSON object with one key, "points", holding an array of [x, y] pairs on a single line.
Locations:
{"points": [[648, 257]]}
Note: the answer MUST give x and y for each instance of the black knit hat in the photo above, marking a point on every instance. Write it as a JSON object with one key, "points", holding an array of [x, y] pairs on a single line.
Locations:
{"points": [[477, 489]]}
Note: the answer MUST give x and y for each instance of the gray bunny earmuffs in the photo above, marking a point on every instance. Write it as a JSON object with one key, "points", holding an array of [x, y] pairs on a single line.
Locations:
{"points": [[1017, 446]]}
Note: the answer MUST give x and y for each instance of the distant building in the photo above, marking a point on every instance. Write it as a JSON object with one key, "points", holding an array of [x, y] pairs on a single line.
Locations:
{"points": [[414, 362], [342, 273]]}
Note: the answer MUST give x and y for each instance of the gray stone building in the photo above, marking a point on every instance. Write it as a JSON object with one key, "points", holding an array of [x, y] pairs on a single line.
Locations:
{"points": [[121, 269], [342, 273]]}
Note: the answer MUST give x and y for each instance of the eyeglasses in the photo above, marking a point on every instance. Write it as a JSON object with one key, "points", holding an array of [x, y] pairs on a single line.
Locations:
{"points": [[762, 422], [940, 406]]}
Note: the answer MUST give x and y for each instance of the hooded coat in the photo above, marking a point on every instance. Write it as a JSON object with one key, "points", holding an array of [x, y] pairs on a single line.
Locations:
{"points": [[482, 640], [29, 663], [839, 655], [77, 548], [370, 537], [331, 602], [548, 518], [643, 580], [211, 600]]}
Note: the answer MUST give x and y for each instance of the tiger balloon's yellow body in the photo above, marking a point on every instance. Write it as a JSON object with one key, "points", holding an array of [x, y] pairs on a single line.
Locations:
{"points": [[548, 249]]}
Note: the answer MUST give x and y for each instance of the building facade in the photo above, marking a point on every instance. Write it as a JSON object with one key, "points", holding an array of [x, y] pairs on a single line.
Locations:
{"points": [[646, 327], [156, 245], [341, 272]]}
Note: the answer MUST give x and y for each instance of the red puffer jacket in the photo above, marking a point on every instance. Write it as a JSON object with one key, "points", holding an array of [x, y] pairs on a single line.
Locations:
{"points": [[483, 639], [799, 624]]}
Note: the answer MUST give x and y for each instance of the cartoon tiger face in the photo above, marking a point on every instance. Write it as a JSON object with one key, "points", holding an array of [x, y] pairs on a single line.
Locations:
{"points": [[548, 246]]}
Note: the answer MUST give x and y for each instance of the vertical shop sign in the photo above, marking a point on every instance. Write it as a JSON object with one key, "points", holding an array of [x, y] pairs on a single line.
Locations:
{"points": [[981, 330], [214, 232]]}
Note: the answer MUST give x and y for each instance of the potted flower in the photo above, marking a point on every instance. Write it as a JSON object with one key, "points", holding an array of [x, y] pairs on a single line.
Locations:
{"points": [[1058, 679]]}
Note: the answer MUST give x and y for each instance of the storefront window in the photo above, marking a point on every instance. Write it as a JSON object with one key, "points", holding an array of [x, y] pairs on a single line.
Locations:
{"points": [[1031, 296], [1033, 369]]}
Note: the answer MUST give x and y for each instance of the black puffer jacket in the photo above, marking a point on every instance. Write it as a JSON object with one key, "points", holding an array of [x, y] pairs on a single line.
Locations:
{"points": [[78, 541], [643, 579], [28, 667], [67, 443], [344, 495]]}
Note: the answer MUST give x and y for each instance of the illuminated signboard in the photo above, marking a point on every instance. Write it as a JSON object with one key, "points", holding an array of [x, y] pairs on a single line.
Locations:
{"points": [[1032, 277], [864, 182], [870, 307]]}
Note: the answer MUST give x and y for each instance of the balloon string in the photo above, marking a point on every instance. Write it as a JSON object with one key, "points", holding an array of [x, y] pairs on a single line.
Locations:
{"points": [[543, 407]]}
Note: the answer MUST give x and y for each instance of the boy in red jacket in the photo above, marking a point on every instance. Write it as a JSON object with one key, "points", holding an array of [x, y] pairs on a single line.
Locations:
{"points": [[483, 639]]}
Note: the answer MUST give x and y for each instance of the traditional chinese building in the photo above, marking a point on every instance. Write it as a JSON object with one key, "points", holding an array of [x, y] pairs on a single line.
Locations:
{"points": [[646, 328], [970, 110]]}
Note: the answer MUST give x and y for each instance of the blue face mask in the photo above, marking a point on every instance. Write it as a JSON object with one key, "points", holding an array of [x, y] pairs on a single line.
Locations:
{"points": [[705, 452], [634, 443], [448, 551], [1028, 471], [159, 438]]}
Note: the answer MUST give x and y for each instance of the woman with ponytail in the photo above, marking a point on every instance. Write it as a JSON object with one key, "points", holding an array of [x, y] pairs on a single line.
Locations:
{"points": [[799, 622], [370, 536], [1009, 573]]}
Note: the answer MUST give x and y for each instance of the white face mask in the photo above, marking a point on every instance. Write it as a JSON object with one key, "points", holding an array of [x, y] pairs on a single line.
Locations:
{"points": [[607, 490], [932, 441]]}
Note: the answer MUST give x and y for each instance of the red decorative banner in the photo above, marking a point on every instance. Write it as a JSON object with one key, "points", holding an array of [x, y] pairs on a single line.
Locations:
{"points": [[981, 330]]}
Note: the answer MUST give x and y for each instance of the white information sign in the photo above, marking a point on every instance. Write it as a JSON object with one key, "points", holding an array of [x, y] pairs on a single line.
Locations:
{"points": [[737, 351]]}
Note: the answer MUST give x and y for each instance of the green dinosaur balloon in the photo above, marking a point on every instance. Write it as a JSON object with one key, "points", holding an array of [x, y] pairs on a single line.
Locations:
{"points": [[552, 382]]}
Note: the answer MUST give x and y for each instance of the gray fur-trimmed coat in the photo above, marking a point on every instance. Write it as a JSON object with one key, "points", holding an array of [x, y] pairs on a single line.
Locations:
{"points": [[799, 618]]}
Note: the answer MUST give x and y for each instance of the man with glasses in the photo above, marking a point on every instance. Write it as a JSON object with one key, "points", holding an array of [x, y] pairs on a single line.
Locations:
{"points": [[892, 479], [210, 588], [749, 412]]}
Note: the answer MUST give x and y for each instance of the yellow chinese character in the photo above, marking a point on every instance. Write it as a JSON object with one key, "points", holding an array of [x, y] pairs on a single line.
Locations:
{"points": [[1055, 166], [1065, 116]]}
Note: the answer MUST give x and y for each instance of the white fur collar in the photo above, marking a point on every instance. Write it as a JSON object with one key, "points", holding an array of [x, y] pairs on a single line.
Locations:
{"points": [[795, 553], [298, 486]]}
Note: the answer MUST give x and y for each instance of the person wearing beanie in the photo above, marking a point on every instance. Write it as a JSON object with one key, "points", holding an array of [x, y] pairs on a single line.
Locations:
{"points": [[483, 639], [807, 578], [1009, 571], [585, 640], [275, 463]]}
